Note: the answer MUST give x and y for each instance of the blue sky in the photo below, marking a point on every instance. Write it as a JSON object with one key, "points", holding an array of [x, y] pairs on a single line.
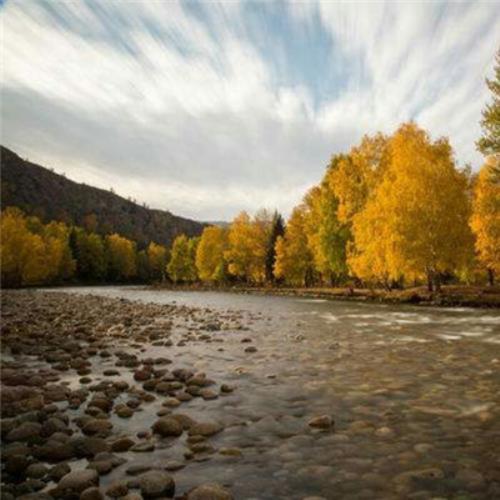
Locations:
{"points": [[206, 108]]}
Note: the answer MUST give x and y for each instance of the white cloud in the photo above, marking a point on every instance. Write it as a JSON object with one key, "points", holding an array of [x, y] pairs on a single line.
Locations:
{"points": [[186, 114]]}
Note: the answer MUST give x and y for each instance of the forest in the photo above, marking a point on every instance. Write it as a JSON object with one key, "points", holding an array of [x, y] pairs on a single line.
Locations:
{"points": [[394, 211]]}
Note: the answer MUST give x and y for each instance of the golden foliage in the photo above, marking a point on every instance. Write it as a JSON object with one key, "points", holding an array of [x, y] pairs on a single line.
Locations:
{"points": [[294, 260], [121, 257], [210, 261], [485, 220], [181, 266]]}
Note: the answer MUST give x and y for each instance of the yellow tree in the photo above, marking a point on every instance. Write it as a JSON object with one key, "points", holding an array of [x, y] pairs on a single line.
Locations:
{"points": [[418, 213], [181, 266], [27, 258], [326, 235], [485, 220], [353, 177], [210, 262], [121, 257], [157, 257], [246, 255], [294, 260]]}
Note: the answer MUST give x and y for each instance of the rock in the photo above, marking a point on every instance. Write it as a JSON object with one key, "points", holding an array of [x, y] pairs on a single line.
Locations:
{"points": [[230, 452], [124, 411], [36, 471], [78, 481], [97, 426], [89, 446], [209, 491], [122, 444], [57, 472], [27, 431], [173, 465], [117, 489], [404, 480], [470, 479], [156, 483], [92, 493], [250, 349], [167, 426], [205, 429], [226, 389], [142, 375], [208, 394], [145, 446], [321, 422]]}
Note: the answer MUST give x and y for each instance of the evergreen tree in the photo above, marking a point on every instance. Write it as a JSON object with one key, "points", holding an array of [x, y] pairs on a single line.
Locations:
{"points": [[277, 230]]}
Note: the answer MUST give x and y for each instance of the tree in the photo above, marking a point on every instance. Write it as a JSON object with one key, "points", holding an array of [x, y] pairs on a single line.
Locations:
{"points": [[121, 254], [90, 253], [485, 220], [489, 143], [415, 224], [294, 260], [248, 239], [32, 253], [277, 230], [157, 260], [353, 177], [326, 235], [181, 266], [210, 262]]}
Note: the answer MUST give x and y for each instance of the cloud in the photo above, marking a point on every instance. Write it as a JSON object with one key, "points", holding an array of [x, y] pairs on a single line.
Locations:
{"points": [[207, 111]]}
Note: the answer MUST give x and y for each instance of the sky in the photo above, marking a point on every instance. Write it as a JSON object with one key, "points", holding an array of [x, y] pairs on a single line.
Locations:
{"points": [[206, 109]]}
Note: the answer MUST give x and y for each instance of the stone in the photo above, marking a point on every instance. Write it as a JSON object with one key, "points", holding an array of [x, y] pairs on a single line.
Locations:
{"points": [[250, 349], [117, 489], [209, 491], [156, 483], [122, 444], [167, 426], [57, 472], [36, 471], [78, 481], [27, 431], [321, 422], [205, 429], [97, 426], [92, 493]]}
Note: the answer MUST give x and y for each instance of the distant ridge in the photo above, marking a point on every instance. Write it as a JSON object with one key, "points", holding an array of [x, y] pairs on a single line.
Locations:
{"points": [[50, 196]]}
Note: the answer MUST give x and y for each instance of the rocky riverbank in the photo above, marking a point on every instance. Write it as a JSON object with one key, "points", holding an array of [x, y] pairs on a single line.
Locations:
{"points": [[74, 377]]}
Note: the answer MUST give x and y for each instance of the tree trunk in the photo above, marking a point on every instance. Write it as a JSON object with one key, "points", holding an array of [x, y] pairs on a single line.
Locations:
{"points": [[437, 281], [430, 288], [491, 277]]}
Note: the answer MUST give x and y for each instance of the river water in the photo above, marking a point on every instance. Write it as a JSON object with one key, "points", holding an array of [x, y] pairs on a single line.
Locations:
{"points": [[414, 393]]}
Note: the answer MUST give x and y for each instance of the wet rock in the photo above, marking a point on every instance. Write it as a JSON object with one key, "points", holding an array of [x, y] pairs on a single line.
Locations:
{"points": [[173, 465], [98, 427], [321, 422], [27, 431], [470, 479], [156, 483], [36, 471], [206, 429], [122, 444], [250, 349], [167, 426], [89, 446], [143, 447], [92, 493], [78, 481], [210, 491], [208, 394], [57, 472], [405, 480], [117, 489], [230, 452]]}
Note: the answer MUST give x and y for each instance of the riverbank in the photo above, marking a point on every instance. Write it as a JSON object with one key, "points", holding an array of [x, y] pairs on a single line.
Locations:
{"points": [[449, 296]]}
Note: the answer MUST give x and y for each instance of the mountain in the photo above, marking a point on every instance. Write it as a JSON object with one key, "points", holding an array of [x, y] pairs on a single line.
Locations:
{"points": [[50, 196]]}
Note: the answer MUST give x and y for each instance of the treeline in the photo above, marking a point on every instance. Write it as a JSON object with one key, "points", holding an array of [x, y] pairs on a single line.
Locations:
{"points": [[394, 211], [33, 253]]}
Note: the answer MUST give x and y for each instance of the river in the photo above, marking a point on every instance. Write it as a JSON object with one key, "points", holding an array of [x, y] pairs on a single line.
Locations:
{"points": [[413, 391]]}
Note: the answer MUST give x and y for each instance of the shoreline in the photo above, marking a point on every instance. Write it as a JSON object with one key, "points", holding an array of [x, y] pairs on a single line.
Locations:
{"points": [[450, 296]]}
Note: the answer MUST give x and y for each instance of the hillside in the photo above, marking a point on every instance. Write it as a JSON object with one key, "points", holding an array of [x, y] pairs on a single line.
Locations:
{"points": [[50, 196]]}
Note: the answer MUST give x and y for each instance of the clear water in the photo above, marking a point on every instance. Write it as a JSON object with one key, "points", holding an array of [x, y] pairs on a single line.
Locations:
{"points": [[409, 388]]}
